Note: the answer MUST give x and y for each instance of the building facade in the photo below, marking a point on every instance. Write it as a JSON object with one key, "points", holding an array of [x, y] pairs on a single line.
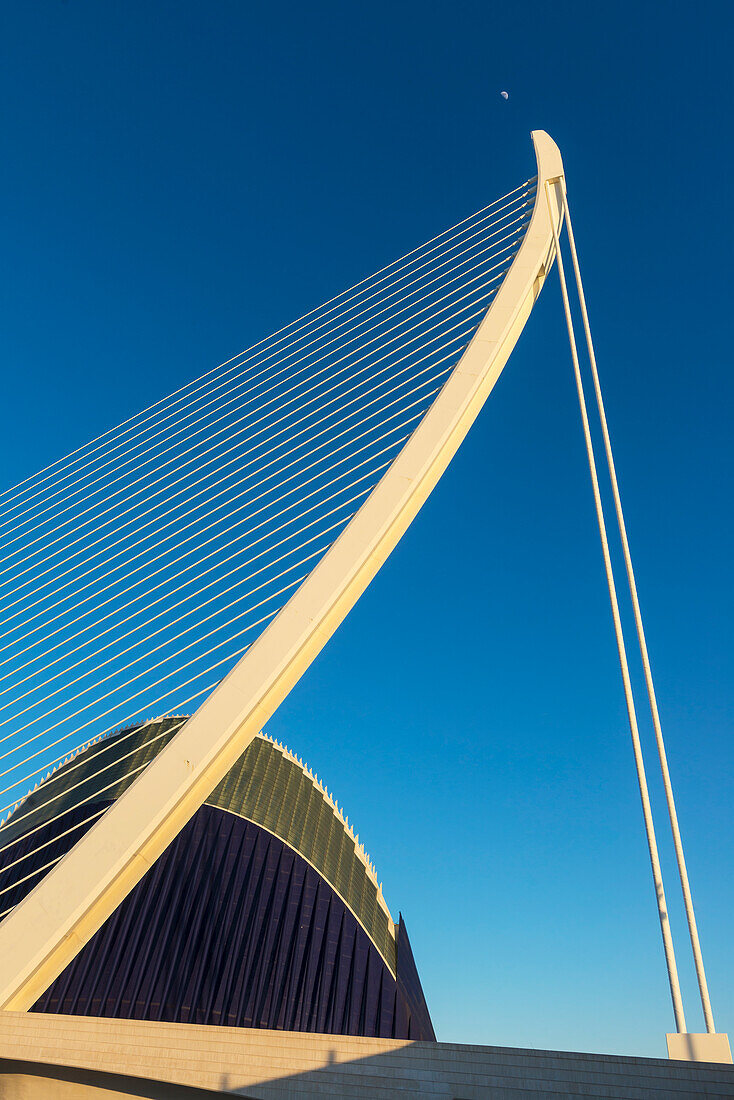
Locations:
{"points": [[264, 912]]}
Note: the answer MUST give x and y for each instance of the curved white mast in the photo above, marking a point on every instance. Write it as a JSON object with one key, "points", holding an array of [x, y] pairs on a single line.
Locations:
{"points": [[47, 929]]}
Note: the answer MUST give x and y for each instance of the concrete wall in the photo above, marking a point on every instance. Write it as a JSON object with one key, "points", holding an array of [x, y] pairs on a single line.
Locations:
{"points": [[44, 1057]]}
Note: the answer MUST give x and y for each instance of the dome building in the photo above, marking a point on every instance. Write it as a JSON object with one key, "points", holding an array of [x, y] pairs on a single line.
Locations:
{"points": [[264, 912]]}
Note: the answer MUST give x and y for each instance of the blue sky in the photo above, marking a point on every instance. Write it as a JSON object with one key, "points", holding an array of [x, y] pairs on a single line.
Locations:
{"points": [[180, 179]]}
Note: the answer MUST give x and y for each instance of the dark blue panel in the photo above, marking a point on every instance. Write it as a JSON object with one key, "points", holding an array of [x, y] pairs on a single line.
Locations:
{"points": [[231, 926], [410, 991]]}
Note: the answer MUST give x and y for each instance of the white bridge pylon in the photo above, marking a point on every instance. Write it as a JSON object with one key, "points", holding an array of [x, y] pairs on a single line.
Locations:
{"points": [[256, 502], [45, 930]]}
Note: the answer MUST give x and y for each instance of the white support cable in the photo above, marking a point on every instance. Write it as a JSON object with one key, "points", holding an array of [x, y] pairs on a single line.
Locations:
{"points": [[39, 847], [30, 875], [76, 731], [144, 640], [123, 702], [200, 693], [118, 623], [108, 742], [93, 639], [529, 184], [112, 742], [672, 813], [235, 540], [38, 870], [53, 769], [53, 744], [64, 756], [156, 522], [161, 681], [179, 419], [528, 187], [372, 457], [629, 699], [183, 428], [240, 507], [125, 490], [227, 429], [34, 580], [228, 657], [191, 699], [195, 460], [160, 529], [18, 747], [221, 626], [62, 764]]}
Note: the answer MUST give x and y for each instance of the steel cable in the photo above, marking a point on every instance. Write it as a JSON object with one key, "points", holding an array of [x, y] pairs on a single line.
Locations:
{"points": [[181, 422]]}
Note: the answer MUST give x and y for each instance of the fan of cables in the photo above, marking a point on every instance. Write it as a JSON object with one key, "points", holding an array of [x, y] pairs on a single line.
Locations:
{"points": [[138, 569]]}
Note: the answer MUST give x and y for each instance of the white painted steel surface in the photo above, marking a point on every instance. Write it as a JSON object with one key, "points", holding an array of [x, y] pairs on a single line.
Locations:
{"points": [[657, 874], [46, 930], [642, 642]]}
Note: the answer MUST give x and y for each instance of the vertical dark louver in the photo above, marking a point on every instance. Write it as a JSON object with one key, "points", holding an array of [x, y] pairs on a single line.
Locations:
{"points": [[232, 927]]}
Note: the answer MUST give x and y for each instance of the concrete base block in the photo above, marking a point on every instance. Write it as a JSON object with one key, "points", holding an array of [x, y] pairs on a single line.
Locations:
{"points": [[699, 1047], [44, 1056]]}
